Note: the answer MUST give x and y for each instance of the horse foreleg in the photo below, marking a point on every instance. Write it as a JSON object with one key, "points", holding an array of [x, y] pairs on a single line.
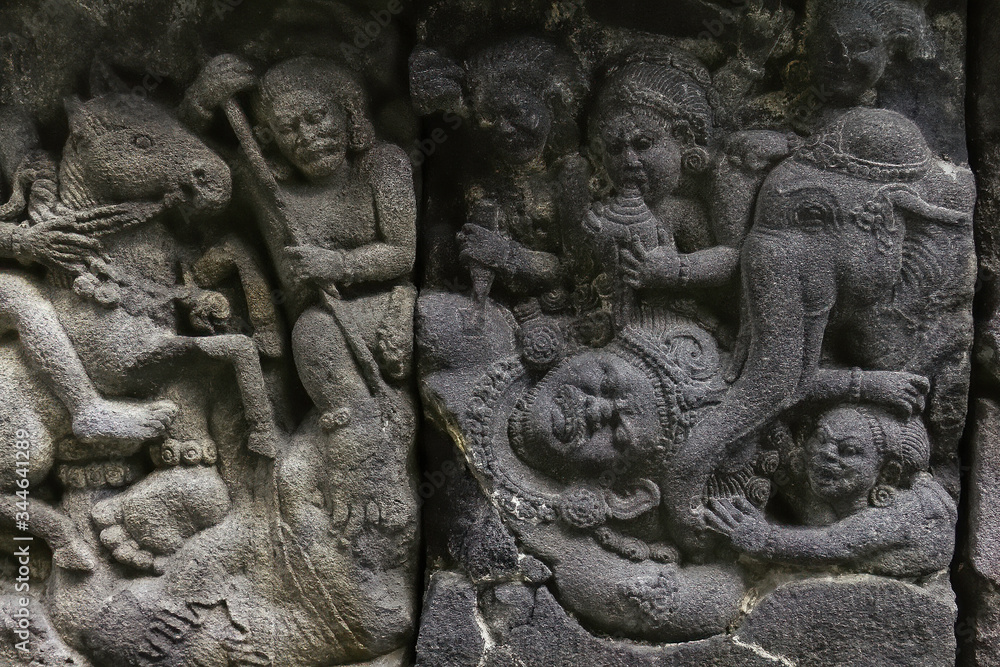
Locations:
{"points": [[241, 353]]}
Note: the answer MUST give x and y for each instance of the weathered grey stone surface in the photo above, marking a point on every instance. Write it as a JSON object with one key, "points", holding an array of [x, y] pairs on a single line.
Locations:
{"points": [[456, 333], [207, 304], [697, 313]]}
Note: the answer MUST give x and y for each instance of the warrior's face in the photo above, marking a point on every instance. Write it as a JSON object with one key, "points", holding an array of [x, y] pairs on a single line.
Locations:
{"points": [[848, 54], [640, 151], [311, 132], [593, 411]]}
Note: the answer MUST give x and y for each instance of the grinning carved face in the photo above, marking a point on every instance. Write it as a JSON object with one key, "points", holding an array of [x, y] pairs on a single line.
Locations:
{"points": [[842, 458], [590, 414]]}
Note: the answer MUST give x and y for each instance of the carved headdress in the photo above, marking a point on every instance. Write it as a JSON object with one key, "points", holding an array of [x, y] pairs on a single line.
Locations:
{"points": [[902, 22], [669, 84], [905, 446], [871, 144], [534, 64]]}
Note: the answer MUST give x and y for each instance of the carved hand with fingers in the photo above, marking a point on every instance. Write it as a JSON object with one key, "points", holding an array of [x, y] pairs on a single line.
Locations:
{"points": [[740, 521]]}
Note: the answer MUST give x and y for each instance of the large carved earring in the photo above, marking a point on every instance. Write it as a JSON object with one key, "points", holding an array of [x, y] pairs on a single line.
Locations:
{"points": [[695, 160]]}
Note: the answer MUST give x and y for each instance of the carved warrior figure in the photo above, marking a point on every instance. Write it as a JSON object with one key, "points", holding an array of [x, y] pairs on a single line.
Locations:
{"points": [[832, 244], [337, 211], [849, 45], [345, 230], [866, 501], [575, 459], [528, 192]]}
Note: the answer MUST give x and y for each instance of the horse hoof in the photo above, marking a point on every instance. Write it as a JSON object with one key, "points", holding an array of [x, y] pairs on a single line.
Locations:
{"points": [[75, 556]]}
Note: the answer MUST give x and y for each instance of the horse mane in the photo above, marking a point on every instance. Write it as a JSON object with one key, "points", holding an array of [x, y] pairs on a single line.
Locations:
{"points": [[116, 111]]}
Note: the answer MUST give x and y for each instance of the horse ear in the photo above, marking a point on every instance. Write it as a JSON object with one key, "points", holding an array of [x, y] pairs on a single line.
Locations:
{"points": [[104, 80], [78, 116]]}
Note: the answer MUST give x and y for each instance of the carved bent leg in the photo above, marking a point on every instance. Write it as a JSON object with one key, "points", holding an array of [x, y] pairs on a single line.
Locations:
{"points": [[30, 423], [241, 354], [651, 600], [24, 308], [788, 291], [328, 369]]}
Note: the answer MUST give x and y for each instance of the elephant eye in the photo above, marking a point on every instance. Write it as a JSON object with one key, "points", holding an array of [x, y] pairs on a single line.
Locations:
{"points": [[143, 141]]}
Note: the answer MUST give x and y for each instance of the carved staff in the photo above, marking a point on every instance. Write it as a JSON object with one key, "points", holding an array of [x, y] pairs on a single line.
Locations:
{"points": [[487, 216]]}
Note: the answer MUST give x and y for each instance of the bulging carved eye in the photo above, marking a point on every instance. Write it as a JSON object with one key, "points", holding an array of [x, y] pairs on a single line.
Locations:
{"points": [[143, 141]]}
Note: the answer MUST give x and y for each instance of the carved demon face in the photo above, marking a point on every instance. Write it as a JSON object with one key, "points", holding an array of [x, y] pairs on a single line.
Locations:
{"points": [[591, 414]]}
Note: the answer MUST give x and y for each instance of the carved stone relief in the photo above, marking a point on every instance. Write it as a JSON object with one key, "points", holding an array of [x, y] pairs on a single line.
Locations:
{"points": [[686, 380], [208, 420], [702, 336]]}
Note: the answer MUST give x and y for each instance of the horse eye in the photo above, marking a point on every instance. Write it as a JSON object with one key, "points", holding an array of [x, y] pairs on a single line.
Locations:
{"points": [[143, 141]]}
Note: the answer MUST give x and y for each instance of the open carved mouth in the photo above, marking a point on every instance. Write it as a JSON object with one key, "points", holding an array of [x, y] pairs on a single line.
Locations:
{"points": [[828, 475]]}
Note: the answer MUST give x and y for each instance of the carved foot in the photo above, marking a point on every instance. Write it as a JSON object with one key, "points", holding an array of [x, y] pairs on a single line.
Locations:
{"points": [[123, 423], [155, 517]]}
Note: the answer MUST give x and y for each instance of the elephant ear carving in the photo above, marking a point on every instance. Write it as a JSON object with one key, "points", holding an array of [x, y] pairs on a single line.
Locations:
{"points": [[814, 208]]}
